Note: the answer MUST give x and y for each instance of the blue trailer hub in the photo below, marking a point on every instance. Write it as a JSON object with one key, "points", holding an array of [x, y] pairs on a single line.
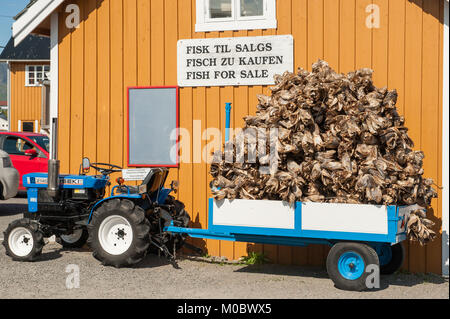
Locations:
{"points": [[360, 235]]}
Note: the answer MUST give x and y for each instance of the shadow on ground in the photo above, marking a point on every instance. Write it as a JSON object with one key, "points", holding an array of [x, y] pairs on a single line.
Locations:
{"points": [[152, 261], [284, 270], [397, 279]]}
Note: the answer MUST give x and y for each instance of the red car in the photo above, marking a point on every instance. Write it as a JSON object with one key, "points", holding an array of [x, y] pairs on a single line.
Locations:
{"points": [[29, 152]]}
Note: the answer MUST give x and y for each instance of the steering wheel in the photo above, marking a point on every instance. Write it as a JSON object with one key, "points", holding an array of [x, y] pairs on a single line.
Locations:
{"points": [[106, 169]]}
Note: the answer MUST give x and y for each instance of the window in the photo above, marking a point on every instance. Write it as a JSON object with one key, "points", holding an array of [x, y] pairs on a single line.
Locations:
{"points": [[36, 73], [27, 127], [14, 145], [223, 15], [42, 141]]}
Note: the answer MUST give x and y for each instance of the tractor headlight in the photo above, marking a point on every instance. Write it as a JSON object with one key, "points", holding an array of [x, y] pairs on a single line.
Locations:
{"points": [[7, 162]]}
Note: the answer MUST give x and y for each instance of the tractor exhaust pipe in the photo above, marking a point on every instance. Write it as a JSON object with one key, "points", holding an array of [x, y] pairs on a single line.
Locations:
{"points": [[53, 164]]}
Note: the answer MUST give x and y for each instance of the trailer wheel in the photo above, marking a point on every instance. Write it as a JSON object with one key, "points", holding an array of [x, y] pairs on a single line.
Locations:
{"points": [[119, 233], [75, 240], [391, 258], [347, 262], [23, 240]]}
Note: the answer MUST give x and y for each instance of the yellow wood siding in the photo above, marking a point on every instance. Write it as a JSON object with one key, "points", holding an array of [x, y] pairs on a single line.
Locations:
{"points": [[126, 43], [26, 101]]}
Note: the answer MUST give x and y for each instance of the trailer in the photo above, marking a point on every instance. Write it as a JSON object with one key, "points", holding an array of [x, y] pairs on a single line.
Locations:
{"points": [[365, 240]]}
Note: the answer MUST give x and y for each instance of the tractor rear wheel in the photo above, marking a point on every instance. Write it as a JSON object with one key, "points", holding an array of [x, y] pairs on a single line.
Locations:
{"points": [[119, 233], [23, 240]]}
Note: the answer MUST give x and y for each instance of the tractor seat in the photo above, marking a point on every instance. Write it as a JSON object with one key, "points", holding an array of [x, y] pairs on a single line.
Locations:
{"points": [[154, 180], [125, 189]]}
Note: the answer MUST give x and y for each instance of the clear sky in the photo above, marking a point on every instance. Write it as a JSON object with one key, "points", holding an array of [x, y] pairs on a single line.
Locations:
{"points": [[8, 9]]}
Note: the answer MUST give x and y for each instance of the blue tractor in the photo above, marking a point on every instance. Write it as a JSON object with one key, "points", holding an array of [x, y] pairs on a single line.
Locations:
{"points": [[120, 229]]}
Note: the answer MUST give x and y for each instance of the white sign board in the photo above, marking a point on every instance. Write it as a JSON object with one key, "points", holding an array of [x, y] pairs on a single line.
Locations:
{"points": [[234, 61], [135, 174]]}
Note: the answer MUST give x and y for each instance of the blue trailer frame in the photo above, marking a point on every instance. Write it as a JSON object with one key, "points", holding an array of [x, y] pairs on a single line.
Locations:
{"points": [[296, 236], [349, 256]]}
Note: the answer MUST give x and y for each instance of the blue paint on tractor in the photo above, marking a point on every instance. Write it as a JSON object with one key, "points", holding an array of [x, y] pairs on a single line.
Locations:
{"points": [[40, 180], [131, 196], [35, 181], [162, 195]]}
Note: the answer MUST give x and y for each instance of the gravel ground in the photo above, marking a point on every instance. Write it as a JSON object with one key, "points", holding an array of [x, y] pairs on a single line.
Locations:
{"points": [[155, 278]]}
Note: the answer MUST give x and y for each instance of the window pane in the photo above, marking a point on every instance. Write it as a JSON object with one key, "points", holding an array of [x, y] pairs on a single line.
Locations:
{"points": [[31, 82], [46, 68], [31, 68], [39, 68], [219, 9], [16, 146], [26, 127], [250, 8], [42, 141]]}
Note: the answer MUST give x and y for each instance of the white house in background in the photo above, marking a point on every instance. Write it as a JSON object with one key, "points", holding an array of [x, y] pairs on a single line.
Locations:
{"points": [[3, 123]]}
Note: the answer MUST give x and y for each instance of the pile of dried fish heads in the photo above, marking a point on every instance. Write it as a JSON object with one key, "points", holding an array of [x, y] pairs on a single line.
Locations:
{"points": [[340, 139]]}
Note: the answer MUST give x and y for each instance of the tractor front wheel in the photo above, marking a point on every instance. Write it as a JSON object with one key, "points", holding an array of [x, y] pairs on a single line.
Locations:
{"points": [[119, 233], [23, 240]]}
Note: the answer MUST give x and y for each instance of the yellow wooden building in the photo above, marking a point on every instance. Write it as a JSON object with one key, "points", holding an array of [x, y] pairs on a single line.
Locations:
{"points": [[99, 48], [28, 67]]}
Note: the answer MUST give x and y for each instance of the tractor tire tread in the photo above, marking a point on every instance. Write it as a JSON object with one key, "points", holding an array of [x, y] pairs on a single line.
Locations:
{"points": [[38, 239], [141, 228]]}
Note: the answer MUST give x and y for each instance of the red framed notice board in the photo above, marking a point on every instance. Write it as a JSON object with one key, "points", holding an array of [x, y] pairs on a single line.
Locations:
{"points": [[153, 126]]}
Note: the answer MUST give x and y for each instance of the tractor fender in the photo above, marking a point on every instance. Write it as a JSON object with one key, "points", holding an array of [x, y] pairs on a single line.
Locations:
{"points": [[131, 196], [163, 194]]}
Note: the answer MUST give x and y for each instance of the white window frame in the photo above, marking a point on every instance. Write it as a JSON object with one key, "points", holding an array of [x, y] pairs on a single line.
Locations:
{"points": [[27, 73], [236, 22]]}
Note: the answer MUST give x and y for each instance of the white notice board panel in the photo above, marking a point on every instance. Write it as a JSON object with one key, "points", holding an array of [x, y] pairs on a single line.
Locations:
{"points": [[234, 61], [135, 174], [153, 126]]}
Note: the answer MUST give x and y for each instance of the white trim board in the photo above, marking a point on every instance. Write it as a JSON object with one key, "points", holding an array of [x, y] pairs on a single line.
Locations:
{"points": [[19, 61], [8, 93], [445, 145], [31, 19], [54, 80]]}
